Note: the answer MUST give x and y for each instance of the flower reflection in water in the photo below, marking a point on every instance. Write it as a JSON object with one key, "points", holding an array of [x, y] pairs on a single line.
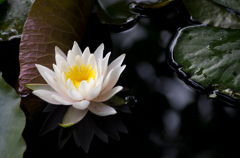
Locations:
{"points": [[83, 131]]}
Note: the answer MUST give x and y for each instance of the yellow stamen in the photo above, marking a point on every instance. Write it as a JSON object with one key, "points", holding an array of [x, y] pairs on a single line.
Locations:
{"points": [[78, 74]]}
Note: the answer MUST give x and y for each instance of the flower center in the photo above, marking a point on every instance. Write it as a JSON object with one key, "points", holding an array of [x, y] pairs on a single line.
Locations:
{"points": [[78, 74]]}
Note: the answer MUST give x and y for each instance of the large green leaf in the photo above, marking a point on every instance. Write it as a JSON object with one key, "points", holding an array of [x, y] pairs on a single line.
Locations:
{"points": [[50, 23], [208, 12], [233, 4], [12, 122], [211, 57], [13, 15], [119, 12]]}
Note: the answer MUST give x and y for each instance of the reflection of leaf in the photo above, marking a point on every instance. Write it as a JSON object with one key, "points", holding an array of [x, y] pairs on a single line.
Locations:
{"points": [[211, 57], [13, 15], [208, 12], [233, 4], [12, 123], [50, 23]]}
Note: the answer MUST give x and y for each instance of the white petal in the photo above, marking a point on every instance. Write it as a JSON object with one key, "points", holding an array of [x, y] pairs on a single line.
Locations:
{"points": [[60, 59], [52, 82], [63, 66], [99, 70], [76, 49], [92, 61], [117, 62], [59, 79], [94, 93], [84, 89], [41, 70], [71, 58], [91, 83], [46, 96], [73, 116], [107, 79], [79, 60], [57, 72], [86, 55], [74, 95], [101, 109], [64, 79], [105, 64], [40, 87], [60, 52], [99, 81], [99, 52], [82, 105], [62, 99], [107, 95], [114, 78], [70, 85]]}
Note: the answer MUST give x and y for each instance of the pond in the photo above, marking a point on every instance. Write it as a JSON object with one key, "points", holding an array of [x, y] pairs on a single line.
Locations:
{"points": [[168, 118]]}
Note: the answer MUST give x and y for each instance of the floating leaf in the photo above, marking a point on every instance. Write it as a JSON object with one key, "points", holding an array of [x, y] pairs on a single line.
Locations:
{"points": [[208, 12], [13, 15], [50, 23], [115, 12], [119, 12], [233, 4], [12, 123], [211, 57]]}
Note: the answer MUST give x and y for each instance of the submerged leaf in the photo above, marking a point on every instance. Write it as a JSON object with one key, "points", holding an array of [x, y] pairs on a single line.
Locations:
{"points": [[233, 4], [13, 15], [50, 23], [152, 4], [211, 57], [208, 12], [12, 123]]}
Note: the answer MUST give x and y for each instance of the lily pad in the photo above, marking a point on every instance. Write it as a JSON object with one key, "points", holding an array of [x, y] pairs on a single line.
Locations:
{"points": [[210, 56], [208, 12], [119, 12], [50, 23], [233, 4], [13, 15], [12, 122]]}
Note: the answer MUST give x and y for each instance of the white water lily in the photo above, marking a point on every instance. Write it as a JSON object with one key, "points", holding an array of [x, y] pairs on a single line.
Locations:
{"points": [[81, 80]]}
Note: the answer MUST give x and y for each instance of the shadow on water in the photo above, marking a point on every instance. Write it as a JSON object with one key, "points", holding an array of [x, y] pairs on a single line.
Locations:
{"points": [[169, 119]]}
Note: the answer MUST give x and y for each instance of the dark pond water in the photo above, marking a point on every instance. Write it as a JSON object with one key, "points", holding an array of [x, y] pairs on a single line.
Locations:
{"points": [[169, 119]]}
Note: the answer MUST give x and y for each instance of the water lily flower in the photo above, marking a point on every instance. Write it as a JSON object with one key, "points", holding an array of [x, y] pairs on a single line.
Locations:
{"points": [[80, 80]]}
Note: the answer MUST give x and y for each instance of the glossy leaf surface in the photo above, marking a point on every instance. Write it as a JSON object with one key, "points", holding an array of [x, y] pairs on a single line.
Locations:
{"points": [[12, 122], [211, 57], [208, 12], [233, 4], [13, 15]]}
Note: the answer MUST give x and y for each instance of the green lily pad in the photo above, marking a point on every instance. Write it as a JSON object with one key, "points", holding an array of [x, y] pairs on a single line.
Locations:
{"points": [[13, 15], [208, 12], [119, 12], [233, 4], [211, 57], [50, 23], [12, 122]]}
